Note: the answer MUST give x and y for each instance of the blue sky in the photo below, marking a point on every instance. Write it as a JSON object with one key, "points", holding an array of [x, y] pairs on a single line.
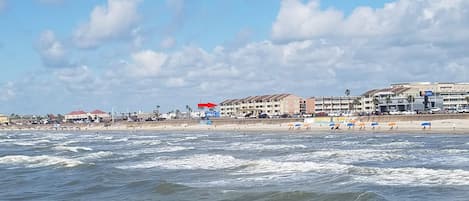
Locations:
{"points": [[63, 55]]}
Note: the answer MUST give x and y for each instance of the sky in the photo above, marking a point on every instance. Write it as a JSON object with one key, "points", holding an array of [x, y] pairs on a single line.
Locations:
{"points": [[57, 56]]}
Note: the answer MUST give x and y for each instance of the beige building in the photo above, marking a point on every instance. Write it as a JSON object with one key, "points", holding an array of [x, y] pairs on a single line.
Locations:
{"points": [[77, 116], [277, 104], [4, 119]]}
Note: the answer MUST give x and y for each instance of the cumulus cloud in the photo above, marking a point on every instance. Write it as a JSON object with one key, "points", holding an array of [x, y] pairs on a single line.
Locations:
{"points": [[426, 20], [51, 50], [116, 20], [168, 42], [147, 63], [8, 91], [404, 41]]}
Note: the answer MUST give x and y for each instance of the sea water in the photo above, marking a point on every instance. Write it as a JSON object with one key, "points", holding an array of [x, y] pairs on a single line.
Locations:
{"points": [[232, 166]]}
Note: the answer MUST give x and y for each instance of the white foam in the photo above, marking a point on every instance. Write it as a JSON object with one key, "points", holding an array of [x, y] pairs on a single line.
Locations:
{"points": [[202, 161], [97, 155], [72, 149], [257, 146], [347, 156], [120, 140], [146, 142], [413, 176], [38, 161], [24, 143], [173, 149], [400, 144]]}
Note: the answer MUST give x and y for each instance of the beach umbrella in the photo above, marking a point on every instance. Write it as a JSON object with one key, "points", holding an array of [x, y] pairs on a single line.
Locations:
{"points": [[361, 124], [331, 124], [426, 123], [391, 123], [350, 124], [374, 124]]}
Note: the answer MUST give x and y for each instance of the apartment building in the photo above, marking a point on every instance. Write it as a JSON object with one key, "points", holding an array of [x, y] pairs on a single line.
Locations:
{"points": [[276, 104], [338, 104], [4, 119]]}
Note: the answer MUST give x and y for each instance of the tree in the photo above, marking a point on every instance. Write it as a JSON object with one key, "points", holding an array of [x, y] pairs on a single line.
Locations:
{"points": [[347, 93], [388, 100], [411, 100], [467, 100], [189, 109], [157, 111]]}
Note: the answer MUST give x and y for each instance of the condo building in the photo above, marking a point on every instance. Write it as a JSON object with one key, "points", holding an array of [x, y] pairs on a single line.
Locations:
{"points": [[272, 105], [338, 104]]}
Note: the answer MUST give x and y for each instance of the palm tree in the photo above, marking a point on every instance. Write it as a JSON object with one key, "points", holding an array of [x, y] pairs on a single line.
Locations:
{"points": [[157, 111], [347, 93], [467, 100], [388, 100], [189, 109], [411, 100]]}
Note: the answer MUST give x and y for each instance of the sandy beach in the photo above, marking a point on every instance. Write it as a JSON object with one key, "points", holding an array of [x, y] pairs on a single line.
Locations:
{"points": [[459, 126]]}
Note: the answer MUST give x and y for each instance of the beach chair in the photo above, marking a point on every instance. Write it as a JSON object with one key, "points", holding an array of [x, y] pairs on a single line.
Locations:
{"points": [[392, 125]]}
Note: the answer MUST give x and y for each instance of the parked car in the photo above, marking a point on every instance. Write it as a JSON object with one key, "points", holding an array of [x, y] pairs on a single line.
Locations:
{"points": [[409, 112], [435, 110], [463, 110]]}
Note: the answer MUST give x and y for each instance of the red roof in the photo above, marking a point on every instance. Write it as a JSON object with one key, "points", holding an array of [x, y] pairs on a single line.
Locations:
{"points": [[98, 112], [77, 112]]}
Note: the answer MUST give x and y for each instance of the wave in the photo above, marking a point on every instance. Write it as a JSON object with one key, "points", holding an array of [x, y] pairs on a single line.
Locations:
{"points": [[72, 149], [302, 195], [258, 146], [167, 188], [39, 161], [347, 156], [400, 144], [202, 161], [97, 155]]}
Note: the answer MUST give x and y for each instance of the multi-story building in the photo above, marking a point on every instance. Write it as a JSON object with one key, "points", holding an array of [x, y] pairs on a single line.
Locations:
{"points": [[277, 104], [454, 94], [4, 119], [338, 104], [403, 96], [78, 116]]}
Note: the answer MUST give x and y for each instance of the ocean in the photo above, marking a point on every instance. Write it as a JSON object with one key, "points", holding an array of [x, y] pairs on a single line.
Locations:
{"points": [[232, 166]]}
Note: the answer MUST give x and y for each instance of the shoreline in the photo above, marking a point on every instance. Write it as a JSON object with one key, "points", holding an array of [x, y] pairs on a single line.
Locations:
{"points": [[449, 126]]}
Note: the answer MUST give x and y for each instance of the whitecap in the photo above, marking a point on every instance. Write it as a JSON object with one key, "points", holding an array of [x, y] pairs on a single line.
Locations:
{"points": [[72, 149], [257, 146], [39, 161], [97, 155], [202, 161]]}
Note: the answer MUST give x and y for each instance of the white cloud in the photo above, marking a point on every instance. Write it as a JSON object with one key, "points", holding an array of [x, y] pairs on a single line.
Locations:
{"points": [[7, 91], [423, 40], [168, 42], [51, 50], [301, 21], [147, 63], [114, 21], [426, 20]]}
